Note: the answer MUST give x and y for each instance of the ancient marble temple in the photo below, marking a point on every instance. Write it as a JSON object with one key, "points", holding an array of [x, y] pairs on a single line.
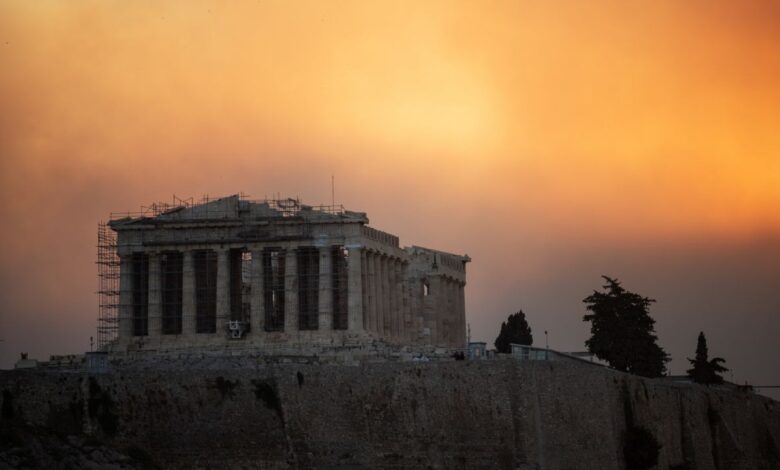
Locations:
{"points": [[231, 271]]}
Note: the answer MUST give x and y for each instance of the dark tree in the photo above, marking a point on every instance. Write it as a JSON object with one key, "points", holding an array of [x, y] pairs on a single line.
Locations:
{"points": [[705, 371], [514, 330], [622, 331]]}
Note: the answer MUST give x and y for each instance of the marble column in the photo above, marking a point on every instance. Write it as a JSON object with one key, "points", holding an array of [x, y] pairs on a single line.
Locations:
{"points": [[381, 298], [223, 289], [155, 296], [399, 300], [125, 297], [441, 308], [405, 301], [422, 312], [453, 315], [389, 301], [257, 307], [354, 294], [394, 298], [291, 291], [456, 314], [364, 287], [325, 299], [374, 291], [188, 309], [462, 312], [446, 311], [389, 293], [439, 298]]}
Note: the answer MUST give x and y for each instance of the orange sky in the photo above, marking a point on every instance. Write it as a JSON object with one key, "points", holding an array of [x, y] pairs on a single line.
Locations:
{"points": [[546, 139]]}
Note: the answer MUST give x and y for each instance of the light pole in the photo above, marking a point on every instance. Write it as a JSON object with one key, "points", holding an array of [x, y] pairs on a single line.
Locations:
{"points": [[546, 346]]}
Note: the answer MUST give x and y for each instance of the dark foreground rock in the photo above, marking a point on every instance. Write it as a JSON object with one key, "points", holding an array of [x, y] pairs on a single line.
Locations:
{"points": [[491, 414], [26, 448]]}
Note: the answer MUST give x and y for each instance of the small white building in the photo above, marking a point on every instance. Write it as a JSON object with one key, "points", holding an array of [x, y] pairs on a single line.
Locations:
{"points": [[25, 363], [477, 350], [529, 353]]}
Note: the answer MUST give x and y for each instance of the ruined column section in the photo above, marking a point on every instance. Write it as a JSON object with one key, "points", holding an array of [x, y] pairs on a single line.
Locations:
{"points": [[275, 275]]}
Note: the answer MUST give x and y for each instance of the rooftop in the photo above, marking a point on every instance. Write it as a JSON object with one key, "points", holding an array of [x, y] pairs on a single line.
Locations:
{"points": [[234, 207]]}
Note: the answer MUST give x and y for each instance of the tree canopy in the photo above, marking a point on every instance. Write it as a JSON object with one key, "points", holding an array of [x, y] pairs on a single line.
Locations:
{"points": [[705, 371], [622, 331], [514, 330]]}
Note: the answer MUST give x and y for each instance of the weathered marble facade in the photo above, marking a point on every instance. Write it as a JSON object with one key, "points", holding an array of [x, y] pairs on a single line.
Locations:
{"points": [[232, 271]]}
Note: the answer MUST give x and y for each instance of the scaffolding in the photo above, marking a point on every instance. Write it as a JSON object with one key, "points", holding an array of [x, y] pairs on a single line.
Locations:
{"points": [[108, 286]]}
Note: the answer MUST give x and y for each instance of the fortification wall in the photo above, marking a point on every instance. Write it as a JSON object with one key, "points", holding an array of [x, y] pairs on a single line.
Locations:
{"points": [[484, 414]]}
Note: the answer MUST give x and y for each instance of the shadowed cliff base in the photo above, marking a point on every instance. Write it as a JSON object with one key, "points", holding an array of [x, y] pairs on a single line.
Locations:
{"points": [[487, 414]]}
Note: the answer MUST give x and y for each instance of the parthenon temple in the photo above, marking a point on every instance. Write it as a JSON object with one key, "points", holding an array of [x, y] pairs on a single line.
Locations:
{"points": [[272, 272]]}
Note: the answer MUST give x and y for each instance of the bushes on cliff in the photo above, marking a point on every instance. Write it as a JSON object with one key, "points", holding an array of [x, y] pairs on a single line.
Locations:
{"points": [[622, 331], [514, 330]]}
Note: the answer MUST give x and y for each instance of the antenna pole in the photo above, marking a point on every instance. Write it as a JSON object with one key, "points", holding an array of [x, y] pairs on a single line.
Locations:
{"points": [[333, 190]]}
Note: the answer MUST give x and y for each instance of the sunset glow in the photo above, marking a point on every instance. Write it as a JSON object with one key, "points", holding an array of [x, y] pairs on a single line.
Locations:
{"points": [[531, 135]]}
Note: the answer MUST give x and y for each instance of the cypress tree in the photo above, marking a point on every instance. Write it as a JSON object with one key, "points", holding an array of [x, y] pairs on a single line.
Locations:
{"points": [[704, 370], [514, 330]]}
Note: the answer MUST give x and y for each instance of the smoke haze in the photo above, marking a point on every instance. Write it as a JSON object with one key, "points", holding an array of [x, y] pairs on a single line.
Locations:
{"points": [[553, 143]]}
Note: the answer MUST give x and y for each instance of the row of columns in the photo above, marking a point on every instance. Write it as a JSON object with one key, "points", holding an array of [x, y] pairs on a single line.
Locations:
{"points": [[380, 298], [445, 311], [223, 297], [385, 312]]}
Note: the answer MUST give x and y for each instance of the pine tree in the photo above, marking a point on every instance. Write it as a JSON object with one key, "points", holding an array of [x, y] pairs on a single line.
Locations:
{"points": [[622, 331], [514, 330], [705, 371]]}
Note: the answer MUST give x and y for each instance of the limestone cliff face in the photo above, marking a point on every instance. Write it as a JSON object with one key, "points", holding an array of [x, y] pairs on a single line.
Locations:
{"points": [[492, 414]]}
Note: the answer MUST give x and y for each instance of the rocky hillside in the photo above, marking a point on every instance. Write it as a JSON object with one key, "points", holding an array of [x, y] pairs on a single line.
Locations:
{"points": [[241, 413]]}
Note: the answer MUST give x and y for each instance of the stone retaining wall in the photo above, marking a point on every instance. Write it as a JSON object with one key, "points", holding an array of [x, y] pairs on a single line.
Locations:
{"points": [[242, 412]]}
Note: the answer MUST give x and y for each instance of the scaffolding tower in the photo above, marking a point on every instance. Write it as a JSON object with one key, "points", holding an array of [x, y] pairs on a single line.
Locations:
{"points": [[108, 287]]}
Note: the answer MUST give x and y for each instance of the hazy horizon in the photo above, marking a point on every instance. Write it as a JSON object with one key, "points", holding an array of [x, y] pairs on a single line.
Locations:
{"points": [[551, 143]]}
